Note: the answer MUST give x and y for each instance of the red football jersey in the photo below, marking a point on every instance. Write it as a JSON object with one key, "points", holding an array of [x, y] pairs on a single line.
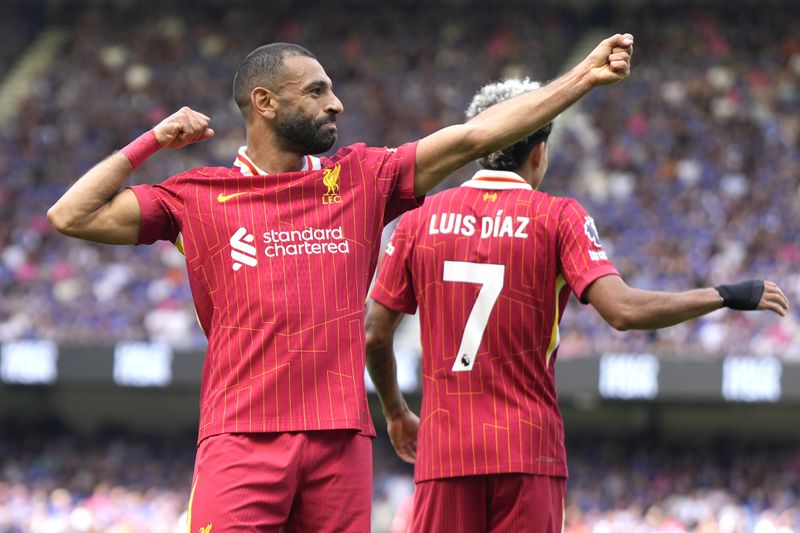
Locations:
{"points": [[279, 266], [491, 264]]}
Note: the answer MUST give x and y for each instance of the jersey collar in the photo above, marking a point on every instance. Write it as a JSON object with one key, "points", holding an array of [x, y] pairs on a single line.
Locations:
{"points": [[248, 168], [497, 180]]}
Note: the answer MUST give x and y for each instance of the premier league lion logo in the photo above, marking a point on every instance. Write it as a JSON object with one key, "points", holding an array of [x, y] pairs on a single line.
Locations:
{"points": [[591, 231]]}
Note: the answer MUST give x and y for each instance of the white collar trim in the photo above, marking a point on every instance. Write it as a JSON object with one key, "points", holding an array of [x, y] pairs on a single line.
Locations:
{"points": [[497, 180], [248, 168]]}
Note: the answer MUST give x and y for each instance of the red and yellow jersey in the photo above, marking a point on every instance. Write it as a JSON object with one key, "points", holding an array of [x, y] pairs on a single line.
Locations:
{"points": [[491, 265], [279, 266]]}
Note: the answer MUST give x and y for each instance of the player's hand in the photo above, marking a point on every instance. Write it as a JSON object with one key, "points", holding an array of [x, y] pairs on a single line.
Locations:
{"points": [[403, 431], [773, 299], [182, 128], [610, 62]]}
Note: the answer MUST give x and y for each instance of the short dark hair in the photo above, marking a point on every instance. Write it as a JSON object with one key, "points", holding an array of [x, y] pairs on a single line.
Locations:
{"points": [[510, 158], [262, 67]]}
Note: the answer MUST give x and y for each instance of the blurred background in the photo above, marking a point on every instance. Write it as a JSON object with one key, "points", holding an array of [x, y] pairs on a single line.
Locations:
{"points": [[690, 168]]}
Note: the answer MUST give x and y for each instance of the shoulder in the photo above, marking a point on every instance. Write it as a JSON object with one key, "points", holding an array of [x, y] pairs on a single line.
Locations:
{"points": [[199, 175], [553, 205], [570, 206], [571, 214], [362, 150], [210, 172], [344, 152]]}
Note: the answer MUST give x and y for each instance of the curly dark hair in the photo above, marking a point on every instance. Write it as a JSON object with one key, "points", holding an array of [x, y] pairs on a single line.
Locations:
{"points": [[510, 158]]}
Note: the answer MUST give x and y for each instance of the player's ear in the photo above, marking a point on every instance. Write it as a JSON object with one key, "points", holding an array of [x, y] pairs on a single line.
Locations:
{"points": [[264, 102], [538, 154]]}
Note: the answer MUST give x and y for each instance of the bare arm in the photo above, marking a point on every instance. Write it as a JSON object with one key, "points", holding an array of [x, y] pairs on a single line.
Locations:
{"points": [[624, 307], [448, 149], [402, 424], [96, 210]]}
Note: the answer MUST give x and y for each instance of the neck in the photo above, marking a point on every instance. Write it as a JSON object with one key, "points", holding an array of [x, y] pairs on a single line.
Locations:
{"points": [[267, 154], [530, 177], [530, 173]]}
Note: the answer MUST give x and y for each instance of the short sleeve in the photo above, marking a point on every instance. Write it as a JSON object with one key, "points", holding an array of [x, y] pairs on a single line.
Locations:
{"points": [[161, 209], [394, 286], [581, 256], [394, 169]]}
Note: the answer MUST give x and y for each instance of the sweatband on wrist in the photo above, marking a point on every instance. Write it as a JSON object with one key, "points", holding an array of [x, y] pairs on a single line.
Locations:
{"points": [[141, 148], [743, 296]]}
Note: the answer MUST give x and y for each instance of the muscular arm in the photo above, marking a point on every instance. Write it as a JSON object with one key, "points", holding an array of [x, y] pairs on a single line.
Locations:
{"points": [[96, 210], [625, 308], [402, 424], [446, 150]]}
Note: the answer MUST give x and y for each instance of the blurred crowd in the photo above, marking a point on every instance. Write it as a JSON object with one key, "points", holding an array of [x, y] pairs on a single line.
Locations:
{"points": [[55, 482], [633, 487], [690, 167]]}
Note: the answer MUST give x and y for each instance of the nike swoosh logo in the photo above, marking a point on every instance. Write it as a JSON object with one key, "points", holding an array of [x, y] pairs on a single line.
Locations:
{"points": [[222, 198]]}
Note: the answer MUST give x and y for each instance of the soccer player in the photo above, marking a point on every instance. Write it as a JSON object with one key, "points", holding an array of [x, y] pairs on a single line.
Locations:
{"points": [[491, 265], [280, 251]]}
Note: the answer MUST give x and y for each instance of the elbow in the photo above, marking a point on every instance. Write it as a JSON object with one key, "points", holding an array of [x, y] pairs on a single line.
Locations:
{"points": [[622, 319], [375, 341], [62, 222], [380, 324], [619, 324], [379, 339], [57, 220]]}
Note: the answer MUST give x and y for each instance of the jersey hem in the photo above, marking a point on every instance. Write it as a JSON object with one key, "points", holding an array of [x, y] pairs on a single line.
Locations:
{"points": [[383, 298], [278, 427], [587, 278], [560, 471]]}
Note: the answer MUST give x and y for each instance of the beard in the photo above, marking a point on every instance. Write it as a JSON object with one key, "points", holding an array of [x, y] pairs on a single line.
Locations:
{"points": [[302, 134]]}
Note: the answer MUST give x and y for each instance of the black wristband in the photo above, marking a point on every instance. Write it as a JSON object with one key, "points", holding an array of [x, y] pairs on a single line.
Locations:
{"points": [[743, 296]]}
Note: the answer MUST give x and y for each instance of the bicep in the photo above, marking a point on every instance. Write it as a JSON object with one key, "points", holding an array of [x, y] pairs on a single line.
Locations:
{"points": [[117, 222]]}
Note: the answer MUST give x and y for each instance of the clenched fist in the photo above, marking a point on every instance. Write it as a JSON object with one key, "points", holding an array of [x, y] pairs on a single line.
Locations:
{"points": [[610, 62], [182, 128]]}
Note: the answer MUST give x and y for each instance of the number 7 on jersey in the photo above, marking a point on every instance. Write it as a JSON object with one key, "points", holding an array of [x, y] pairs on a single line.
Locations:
{"points": [[491, 278]]}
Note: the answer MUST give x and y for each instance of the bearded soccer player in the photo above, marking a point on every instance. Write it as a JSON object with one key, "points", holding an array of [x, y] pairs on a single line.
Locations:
{"points": [[491, 265], [280, 251]]}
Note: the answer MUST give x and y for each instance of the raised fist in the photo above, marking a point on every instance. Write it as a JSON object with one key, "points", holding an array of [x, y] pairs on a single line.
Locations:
{"points": [[182, 128], [610, 62]]}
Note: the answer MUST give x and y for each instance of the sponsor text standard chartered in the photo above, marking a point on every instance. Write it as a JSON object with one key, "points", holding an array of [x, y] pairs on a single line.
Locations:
{"points": [[308, 241]]}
